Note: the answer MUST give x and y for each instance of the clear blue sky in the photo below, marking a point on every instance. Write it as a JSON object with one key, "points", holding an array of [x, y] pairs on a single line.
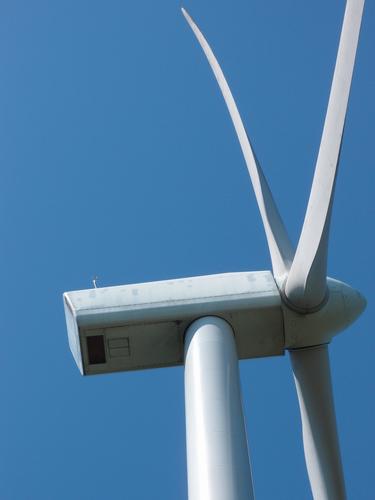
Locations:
{"points": [[118, 158]]}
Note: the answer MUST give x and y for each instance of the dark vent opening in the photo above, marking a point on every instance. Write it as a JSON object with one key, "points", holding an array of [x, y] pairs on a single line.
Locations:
{"points": [[96, 349]]}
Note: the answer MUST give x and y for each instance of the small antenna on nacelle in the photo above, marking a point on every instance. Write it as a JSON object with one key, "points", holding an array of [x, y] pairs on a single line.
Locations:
{"points": [[94, 281]]}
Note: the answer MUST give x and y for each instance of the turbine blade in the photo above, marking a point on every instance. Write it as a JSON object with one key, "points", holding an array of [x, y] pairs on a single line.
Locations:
{"points": [[322, 454], [279, 244], [306, 284]]}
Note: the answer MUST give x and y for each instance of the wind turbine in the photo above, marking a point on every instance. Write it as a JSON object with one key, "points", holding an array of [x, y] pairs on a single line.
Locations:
{"points": [[207, 323]]}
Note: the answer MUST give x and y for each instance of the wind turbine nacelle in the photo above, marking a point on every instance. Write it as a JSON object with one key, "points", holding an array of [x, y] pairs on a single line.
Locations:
{"points": [[142, 326]]}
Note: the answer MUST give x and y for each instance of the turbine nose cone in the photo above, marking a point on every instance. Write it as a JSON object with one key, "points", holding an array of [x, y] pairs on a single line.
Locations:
{"points": [[355, 304]]}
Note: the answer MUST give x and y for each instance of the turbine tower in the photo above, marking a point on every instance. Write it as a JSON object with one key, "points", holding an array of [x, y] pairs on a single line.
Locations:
{"points": [[208, 323]]}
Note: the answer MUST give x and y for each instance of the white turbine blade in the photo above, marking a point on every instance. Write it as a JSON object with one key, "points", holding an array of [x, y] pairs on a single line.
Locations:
{"points": [[278, 241], [306, 284], [322, 454]]}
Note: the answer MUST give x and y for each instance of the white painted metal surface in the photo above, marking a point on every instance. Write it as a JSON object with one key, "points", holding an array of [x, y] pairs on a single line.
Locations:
{"points": [[280, 248], [322, 454], [147, 321], [217, 454], [342, 308], [151, 319], [143, 326], [315, 307], [306, 283], [164, 300]]}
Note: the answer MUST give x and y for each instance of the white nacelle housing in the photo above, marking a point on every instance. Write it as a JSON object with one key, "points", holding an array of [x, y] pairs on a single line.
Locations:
{"points": [[141, 326]]}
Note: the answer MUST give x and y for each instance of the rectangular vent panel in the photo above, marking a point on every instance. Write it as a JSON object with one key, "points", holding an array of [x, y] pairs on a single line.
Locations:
{"points": [[119, 348]]}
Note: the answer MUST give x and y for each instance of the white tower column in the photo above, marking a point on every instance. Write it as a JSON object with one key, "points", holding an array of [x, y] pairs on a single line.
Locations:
{"points": [[217, 455]]}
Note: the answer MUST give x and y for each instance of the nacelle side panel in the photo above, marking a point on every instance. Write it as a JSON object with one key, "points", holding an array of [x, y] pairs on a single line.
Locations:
{"points": [[142, 326]]}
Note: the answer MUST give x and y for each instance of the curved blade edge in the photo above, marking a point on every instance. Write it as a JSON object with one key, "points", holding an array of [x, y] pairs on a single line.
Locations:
{"points": [[279, 245], [306, 284], [312, 378]]}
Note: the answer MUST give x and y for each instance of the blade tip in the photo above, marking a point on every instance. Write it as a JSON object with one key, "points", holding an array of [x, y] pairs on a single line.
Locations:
{"points": [[186, 14]]}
